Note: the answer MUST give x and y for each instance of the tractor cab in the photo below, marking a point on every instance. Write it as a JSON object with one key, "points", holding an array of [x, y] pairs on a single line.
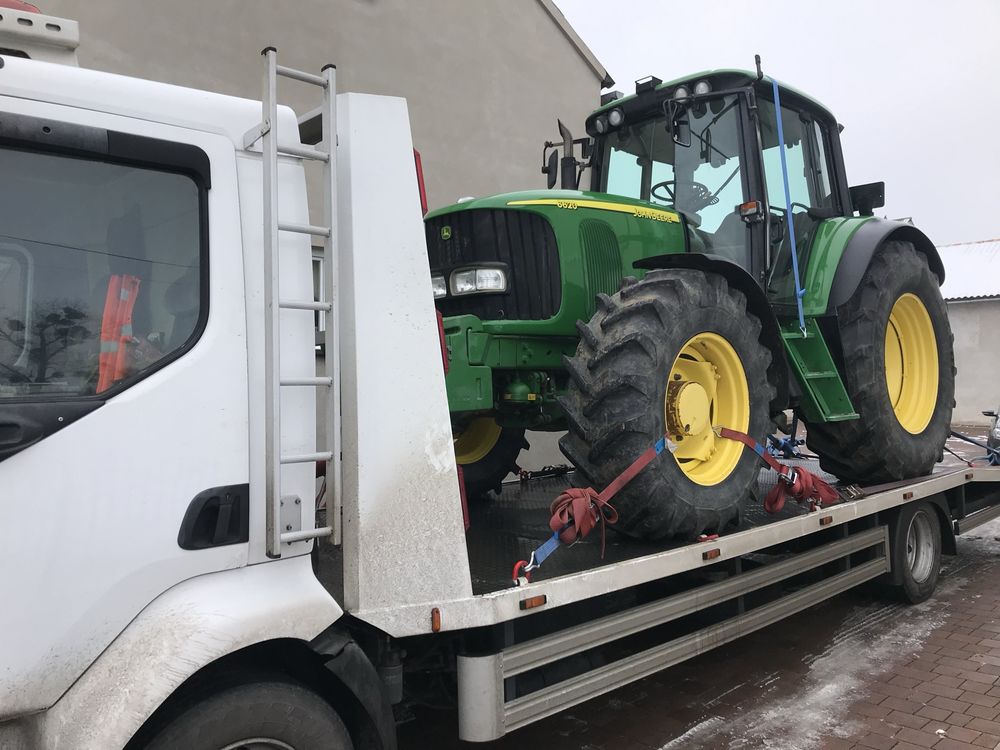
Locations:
{"points": [[708, 147]]}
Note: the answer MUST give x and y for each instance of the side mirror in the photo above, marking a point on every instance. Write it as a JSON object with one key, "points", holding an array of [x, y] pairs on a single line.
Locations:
{"points": [[551, 168], [866, 198]]}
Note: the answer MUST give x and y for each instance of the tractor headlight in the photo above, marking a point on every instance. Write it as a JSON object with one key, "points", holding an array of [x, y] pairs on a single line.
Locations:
{"points": [[440, 286], [601, 125], [616, 117], [471, 280], [682, 92], [702, 87]]}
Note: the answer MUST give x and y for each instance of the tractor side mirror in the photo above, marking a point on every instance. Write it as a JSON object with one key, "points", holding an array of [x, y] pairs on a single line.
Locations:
{"points": [[866, 198], [551, 168]]}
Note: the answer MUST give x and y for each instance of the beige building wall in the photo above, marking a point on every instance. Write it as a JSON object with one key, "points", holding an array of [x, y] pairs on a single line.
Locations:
{"points": [[485, 79], [976, 325]]}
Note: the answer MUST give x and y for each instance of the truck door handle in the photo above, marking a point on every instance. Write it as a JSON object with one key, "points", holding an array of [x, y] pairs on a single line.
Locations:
{"points": [[18, 433]]}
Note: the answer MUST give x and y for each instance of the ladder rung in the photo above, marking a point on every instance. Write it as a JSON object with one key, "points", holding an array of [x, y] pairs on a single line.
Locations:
{"points": [[300, 75], [307, 381], [307, 458], [305, 305], [821, 374], [304, 152], [304, 229], [301, 536]]}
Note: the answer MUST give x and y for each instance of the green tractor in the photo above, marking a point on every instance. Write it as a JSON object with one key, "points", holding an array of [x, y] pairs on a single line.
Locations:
{"points": [[718, 272]]}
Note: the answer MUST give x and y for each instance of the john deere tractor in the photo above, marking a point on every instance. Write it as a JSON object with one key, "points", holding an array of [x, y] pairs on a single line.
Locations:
{"points": [[718, 271]]}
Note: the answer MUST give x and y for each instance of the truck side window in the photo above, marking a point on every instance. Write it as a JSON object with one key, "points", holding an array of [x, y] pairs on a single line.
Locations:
{"points": [[100, 272]]}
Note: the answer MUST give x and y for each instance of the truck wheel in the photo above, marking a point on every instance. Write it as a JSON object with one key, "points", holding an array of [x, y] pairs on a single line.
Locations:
{"points": [[899, 370], [257, 716], [676, 353], [487, 453], [916, 551]]}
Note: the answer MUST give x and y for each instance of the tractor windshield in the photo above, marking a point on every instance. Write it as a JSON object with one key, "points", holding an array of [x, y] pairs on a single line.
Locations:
{"points": [[700, 176]]}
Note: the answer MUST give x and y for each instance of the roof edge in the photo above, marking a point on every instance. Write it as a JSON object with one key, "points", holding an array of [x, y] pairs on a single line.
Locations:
{"points": [[581, 47]]}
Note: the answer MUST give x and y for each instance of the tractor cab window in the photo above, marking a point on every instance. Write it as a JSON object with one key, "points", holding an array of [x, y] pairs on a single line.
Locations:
{"points": [[701, 177], [100, 272], [809, 185]]}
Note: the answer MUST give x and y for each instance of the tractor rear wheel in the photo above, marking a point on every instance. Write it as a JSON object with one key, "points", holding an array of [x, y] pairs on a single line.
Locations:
{"points": [[487, 453], [677, 354], [899, 370]]}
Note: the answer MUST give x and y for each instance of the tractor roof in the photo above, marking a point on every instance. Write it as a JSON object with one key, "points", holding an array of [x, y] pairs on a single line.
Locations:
{"points": [[732, 77]]}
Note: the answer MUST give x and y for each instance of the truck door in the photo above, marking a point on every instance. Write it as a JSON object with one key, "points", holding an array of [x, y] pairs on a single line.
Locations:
{"points": [[123, 378]]}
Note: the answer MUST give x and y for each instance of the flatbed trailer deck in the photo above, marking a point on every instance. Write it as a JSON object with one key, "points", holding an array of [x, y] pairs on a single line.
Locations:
{"points": [[584, 626]]}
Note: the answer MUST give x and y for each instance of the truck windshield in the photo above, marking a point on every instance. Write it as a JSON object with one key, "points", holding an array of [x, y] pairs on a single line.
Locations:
{"points": [[703, 179]]}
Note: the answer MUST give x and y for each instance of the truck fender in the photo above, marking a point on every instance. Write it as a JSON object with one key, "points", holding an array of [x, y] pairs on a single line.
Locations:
{"points": [[860, 249], [365, 690], [757, 304], [185, 629]]}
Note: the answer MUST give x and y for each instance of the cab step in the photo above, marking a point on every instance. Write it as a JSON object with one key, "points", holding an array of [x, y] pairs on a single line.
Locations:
{"points": [[824, 397]]}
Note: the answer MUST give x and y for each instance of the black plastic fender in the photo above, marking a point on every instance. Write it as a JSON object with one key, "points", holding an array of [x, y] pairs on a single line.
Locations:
{"points": [[360, 680], [757, 304], [862, 246]]}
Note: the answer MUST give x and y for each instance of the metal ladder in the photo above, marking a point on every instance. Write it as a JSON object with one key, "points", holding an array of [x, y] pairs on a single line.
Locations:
{"points": [[277, 532]]}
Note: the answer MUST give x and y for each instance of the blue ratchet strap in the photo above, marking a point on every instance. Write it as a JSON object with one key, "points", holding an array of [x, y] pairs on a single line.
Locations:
{"points": [[799, 291]]}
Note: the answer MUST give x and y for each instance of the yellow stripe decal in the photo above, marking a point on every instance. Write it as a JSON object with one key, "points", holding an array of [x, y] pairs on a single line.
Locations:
{"points": [[640, 212]]}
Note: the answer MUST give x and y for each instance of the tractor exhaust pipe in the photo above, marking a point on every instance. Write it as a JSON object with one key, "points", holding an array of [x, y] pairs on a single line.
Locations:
{"points": [[568, 164]]}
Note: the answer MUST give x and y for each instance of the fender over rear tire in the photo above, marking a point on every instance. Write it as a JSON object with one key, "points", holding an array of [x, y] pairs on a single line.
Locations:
{"points": [[898, 295], [631, 354], [269, 715]]}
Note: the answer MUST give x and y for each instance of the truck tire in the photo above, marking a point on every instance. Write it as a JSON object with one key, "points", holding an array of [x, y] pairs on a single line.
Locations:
{"points": [[915, 539], [895, 324], [676, 352], [487, 453], [268, 715]]}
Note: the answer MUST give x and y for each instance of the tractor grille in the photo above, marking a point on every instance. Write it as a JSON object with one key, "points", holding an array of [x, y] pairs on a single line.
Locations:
{"points": [[524, 241], [602, 260]]}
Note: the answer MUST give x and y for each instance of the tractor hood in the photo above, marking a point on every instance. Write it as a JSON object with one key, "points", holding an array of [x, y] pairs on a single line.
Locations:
{"points": [[558, 201]]}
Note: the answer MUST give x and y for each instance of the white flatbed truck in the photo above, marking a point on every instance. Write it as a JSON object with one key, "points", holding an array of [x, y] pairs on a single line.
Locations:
{"points": [[166, 580]]}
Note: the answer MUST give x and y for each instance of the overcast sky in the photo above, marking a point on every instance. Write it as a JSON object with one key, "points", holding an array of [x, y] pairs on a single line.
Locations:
{"points": [[915, 84]]}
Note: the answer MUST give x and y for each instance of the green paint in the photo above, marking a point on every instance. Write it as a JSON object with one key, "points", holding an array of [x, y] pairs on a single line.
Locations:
{"points": [[830, 240], [824, 398]]}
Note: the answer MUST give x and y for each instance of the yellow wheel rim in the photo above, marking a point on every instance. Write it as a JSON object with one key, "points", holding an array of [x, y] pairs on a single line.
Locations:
{"points": [[911, 363], [707, 387], [476, 441]]}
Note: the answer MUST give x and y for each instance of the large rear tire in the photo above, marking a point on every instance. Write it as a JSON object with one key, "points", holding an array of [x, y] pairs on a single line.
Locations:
{"points": [[487, 453], [676, 352], [899, 370]]}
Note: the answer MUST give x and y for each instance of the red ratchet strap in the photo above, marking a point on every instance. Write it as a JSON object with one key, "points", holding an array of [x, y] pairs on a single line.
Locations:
{"points": [[577, 510], [794, 482]]}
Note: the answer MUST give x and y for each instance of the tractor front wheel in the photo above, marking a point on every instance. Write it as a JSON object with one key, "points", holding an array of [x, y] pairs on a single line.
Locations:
{"points": [[675, 354], [900, 373], [487, 453]]}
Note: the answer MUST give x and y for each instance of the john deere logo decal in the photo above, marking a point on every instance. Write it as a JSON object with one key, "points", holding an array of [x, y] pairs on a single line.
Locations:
{"points": [[445, 233]]}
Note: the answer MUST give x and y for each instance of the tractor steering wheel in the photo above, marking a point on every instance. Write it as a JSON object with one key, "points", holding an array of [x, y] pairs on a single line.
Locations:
{"points": [[700, 195]]}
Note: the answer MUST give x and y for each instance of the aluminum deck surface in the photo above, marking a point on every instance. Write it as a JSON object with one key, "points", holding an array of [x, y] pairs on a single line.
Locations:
{"points": [[507, 527]]}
